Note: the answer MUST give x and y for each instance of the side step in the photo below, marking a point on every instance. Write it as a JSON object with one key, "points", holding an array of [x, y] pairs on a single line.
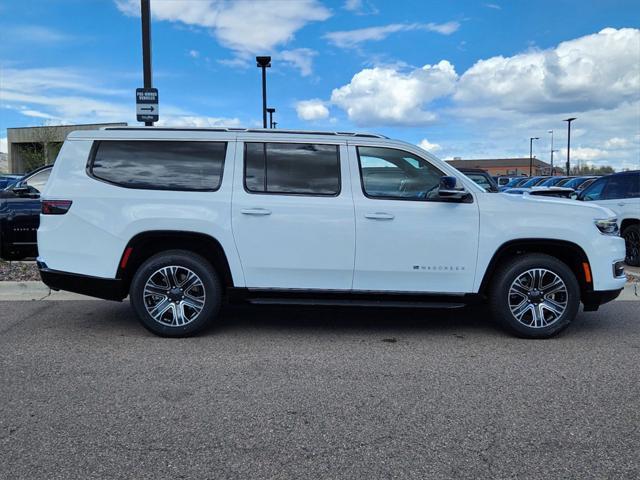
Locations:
{"points": [[320, 302]]}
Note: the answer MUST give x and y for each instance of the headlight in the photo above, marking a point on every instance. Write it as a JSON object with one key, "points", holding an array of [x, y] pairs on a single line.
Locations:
{"points": [[607, 226]]}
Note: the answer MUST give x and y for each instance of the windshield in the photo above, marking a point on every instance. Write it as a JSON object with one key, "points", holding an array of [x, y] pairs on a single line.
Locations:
{"points": [[530, 183], [551, 181], [575, 182], [513, 182]]}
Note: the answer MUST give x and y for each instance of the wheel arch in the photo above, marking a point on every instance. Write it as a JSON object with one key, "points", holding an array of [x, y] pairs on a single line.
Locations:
{"points": [[568, 252], [146, 244], [628, 222]]}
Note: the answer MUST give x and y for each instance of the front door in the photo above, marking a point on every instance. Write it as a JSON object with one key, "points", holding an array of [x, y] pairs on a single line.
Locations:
{"points": [[407, 239], [293, 219]]}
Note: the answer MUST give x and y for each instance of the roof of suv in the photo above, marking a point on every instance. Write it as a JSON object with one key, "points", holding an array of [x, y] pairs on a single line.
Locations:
{"points": [[249, 130]]}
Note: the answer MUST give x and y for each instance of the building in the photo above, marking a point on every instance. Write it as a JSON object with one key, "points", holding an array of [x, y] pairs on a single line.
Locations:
{"points": [[32, 147], [507, 166], [4, 162]]}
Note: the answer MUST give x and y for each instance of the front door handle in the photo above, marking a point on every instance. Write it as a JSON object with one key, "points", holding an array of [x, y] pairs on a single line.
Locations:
{"points": [[621, 204], [379, 216], [255, 211]]}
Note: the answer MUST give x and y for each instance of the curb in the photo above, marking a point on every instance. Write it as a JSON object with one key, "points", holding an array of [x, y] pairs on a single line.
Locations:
{"points": [[27, 291]]}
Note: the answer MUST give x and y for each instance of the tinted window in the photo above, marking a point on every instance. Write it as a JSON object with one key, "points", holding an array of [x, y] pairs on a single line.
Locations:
{"points": [[622, 186], [160, 165], [38, 180], [390, 173], [294, 168], [479, 179], [594, 192]]}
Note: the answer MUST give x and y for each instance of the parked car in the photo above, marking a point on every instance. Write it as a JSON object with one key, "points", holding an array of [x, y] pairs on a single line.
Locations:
{"points": [[580, 183], [181, 219], [502, 181], [513, 183], [533, 181], [8, 180], [20, 215], [620, 192], [551, 182], [481, 177]]}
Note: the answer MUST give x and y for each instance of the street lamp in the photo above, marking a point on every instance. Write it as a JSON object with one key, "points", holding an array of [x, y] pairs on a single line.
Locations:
{"points": [[271, 112], [551, 132], [569, 120], [264, 63], [531, 154], [145, 15]]}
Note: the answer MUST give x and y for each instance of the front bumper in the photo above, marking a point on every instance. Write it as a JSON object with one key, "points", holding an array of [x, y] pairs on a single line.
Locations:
{"points": [[105, 288], [592, 300]]}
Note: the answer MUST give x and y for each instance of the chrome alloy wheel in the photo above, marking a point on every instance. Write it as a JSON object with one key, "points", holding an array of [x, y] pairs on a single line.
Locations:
{"points": [[538, 298], [174, 296]]}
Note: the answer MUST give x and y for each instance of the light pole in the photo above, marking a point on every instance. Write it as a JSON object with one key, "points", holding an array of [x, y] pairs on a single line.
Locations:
{"points": [[264, 63], [145, 15], [531, 154], [569, 120], [271, 112], [551, 132]]}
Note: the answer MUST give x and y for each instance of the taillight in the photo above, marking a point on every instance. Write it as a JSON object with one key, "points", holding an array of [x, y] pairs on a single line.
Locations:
{"points": [[55, 207]]}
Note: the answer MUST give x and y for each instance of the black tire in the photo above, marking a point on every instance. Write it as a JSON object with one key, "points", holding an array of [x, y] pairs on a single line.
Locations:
{"points": [[501, 295], [631, 235], [207, 291]]}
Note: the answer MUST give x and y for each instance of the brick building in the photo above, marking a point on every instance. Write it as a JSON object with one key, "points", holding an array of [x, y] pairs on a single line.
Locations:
{"points": [[507, 166]]}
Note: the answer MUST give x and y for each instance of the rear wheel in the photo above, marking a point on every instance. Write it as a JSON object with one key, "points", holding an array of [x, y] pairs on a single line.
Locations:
{"points": [[535, 296], [631, 235], [176, 293]]}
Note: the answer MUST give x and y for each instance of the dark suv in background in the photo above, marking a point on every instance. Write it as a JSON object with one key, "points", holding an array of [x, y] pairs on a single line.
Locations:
{"points": [[20, 215]]}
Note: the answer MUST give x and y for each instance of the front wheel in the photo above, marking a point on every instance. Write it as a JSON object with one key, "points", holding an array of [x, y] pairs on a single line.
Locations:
{"points": [[631, 235], [176, 293], [535, 296]]}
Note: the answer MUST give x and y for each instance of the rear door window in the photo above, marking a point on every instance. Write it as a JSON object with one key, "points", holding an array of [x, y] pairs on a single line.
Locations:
{"points": [[160, 165], [292, 168]]}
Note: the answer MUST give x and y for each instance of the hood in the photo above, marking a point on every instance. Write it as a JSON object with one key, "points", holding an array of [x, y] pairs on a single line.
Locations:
{"points": [[538, 201]]}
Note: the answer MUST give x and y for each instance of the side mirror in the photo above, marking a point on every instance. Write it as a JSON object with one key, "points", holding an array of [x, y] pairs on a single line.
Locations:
{"points": [[449, 189], [24, 190]]}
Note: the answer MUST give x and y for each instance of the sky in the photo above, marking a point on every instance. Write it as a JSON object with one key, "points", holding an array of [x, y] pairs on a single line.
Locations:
{"points": [[468, 79]]}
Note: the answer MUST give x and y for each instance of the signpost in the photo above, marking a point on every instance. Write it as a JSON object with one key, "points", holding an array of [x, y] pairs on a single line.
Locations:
{"points": [[147, 104]]}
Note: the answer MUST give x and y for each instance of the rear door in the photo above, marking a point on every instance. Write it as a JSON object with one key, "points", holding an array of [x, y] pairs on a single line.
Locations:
{"points": [[292, 214], [622, 195]]}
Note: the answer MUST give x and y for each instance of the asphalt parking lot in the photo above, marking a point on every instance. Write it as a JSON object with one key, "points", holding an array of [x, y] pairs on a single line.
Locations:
{"points": [[85, 392]]}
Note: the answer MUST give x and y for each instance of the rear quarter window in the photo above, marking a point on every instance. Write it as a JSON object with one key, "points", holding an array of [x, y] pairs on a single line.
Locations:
{"points": [[159, 165]]}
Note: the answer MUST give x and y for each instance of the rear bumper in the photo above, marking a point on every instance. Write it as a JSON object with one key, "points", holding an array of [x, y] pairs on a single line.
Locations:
{"points": [[592, 300], [106, 288]]}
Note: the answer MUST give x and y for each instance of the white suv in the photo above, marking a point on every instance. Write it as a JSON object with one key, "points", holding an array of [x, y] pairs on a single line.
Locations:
{"points": [[181, 220]]}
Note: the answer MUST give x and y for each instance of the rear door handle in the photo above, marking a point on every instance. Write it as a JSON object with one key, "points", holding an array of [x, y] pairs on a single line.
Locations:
{"points": [[379, 216], [255, 211], [621, 204]]}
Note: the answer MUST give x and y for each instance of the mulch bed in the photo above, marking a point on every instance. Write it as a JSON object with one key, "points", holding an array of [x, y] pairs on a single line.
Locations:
{"points": [[18, 271]]}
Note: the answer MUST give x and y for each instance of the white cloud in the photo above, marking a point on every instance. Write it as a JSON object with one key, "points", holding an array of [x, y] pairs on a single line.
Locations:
{"points": [[594, 71], [380, 95], [353, 38], [300, 58], [198, 121], [617, 142], [3, 145], [314, 109], [194, 53], [428, 146], [35, 34], [585, 154], [245, 26], [495, 6], [353, 5]]}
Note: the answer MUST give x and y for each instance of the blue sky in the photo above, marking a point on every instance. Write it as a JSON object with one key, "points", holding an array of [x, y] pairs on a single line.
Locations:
{"points": [[469, 79]]}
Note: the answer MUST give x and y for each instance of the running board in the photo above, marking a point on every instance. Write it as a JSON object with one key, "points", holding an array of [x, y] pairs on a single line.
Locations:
{"points": [[319, 302]]}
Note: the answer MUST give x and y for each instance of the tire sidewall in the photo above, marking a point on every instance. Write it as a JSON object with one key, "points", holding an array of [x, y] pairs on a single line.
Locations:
{"points": [[499, 298], [193, 262]]}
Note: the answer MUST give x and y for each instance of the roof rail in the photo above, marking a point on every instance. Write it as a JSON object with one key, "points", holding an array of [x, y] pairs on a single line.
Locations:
{"points": [[248, 130]]}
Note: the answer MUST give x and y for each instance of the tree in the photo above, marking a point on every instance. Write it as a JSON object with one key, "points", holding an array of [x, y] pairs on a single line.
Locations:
{"points": [[592, 170], [44, 149]]}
